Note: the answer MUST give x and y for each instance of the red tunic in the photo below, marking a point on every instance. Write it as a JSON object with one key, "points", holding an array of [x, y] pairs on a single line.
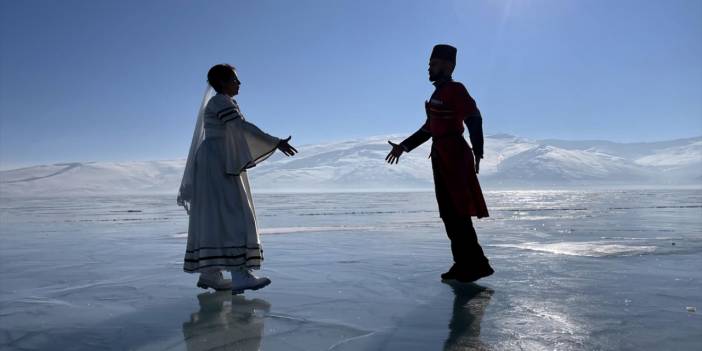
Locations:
{"points": [[458, 191]]}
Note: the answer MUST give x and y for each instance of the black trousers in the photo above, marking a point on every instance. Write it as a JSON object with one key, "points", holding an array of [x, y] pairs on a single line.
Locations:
{"points": [[467, 253]]}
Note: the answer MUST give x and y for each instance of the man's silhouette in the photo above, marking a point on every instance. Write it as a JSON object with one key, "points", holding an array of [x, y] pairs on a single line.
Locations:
{"points": [[455, 169]]}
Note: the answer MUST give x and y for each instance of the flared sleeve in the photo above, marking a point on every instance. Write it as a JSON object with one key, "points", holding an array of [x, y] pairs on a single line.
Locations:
{"points": [[246, 144]]}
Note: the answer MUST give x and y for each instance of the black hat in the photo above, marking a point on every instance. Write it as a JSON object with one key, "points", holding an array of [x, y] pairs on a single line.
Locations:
{"points": [[444, 52]]}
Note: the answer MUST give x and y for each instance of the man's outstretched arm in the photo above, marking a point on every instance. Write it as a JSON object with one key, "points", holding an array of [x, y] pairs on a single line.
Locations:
{"points": [[416, 139], [409, 144]]}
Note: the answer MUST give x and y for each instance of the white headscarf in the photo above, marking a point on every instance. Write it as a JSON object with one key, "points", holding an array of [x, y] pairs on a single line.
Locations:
{"points": [[185, 194]]}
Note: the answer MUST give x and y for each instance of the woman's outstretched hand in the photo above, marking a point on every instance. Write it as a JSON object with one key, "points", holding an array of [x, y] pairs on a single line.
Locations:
{"points": [[394, 154], [286, 148]]}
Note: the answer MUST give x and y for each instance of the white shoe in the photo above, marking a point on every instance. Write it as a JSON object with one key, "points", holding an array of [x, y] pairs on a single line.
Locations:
{"points": [[245, 280], [214, 280]]}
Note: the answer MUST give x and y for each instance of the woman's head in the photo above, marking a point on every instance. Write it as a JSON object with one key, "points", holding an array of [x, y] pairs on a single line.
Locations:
{"points": [[223, 79]]}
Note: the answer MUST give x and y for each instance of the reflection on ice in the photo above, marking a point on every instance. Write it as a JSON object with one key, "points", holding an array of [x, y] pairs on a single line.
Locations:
{"points": [[225, 322], [469, 305]]}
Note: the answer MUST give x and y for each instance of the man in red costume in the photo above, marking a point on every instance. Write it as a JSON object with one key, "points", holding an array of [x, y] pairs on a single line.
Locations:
{"points": [[455, 165]]}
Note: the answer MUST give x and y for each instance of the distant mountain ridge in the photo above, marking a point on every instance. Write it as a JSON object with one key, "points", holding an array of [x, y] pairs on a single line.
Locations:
{"points": [[510, 161]]}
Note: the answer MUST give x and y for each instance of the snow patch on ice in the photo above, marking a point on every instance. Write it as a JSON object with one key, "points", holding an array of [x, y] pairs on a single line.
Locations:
{"points": [[589, 249]]}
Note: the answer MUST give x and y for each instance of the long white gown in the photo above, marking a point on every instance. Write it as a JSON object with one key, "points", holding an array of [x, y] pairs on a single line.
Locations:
{"points": [[222, 232]]}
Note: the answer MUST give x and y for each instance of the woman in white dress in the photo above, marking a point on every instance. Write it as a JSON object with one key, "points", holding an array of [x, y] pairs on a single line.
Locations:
{"points": [[222, 232]]}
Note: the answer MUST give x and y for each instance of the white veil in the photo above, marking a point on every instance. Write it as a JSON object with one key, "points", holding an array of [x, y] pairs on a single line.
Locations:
{"points": [[185, 193]]}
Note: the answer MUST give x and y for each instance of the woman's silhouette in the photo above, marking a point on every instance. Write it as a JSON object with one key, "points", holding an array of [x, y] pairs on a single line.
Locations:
{"points": [[222, 231]]}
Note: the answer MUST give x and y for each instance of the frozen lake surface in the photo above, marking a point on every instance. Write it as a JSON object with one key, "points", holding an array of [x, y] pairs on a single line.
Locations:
{"points": [[609, 270]]}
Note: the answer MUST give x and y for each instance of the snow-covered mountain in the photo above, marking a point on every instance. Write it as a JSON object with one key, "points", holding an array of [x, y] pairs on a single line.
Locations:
{"points": [[360, 165], [93, 178]]}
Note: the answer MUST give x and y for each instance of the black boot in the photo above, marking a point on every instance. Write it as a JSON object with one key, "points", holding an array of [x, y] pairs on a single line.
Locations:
{"points": [[471, 263], [452, 273], [473, 275]]}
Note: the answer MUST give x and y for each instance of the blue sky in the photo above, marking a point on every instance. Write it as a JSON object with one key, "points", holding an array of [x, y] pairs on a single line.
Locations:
{"points": [[121, 80]]}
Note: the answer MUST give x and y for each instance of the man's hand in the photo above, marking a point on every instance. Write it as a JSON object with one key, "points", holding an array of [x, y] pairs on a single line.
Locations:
{"points": [[286, 148], [394, 154], [477, 165]]}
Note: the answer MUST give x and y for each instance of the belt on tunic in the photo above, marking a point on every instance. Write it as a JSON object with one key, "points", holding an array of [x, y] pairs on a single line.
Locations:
{"points": [[448, 135], [211, 133], [441, 137]]}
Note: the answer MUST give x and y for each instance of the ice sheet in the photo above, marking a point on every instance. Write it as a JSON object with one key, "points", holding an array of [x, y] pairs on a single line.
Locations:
{"points": [[575, 271]]}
